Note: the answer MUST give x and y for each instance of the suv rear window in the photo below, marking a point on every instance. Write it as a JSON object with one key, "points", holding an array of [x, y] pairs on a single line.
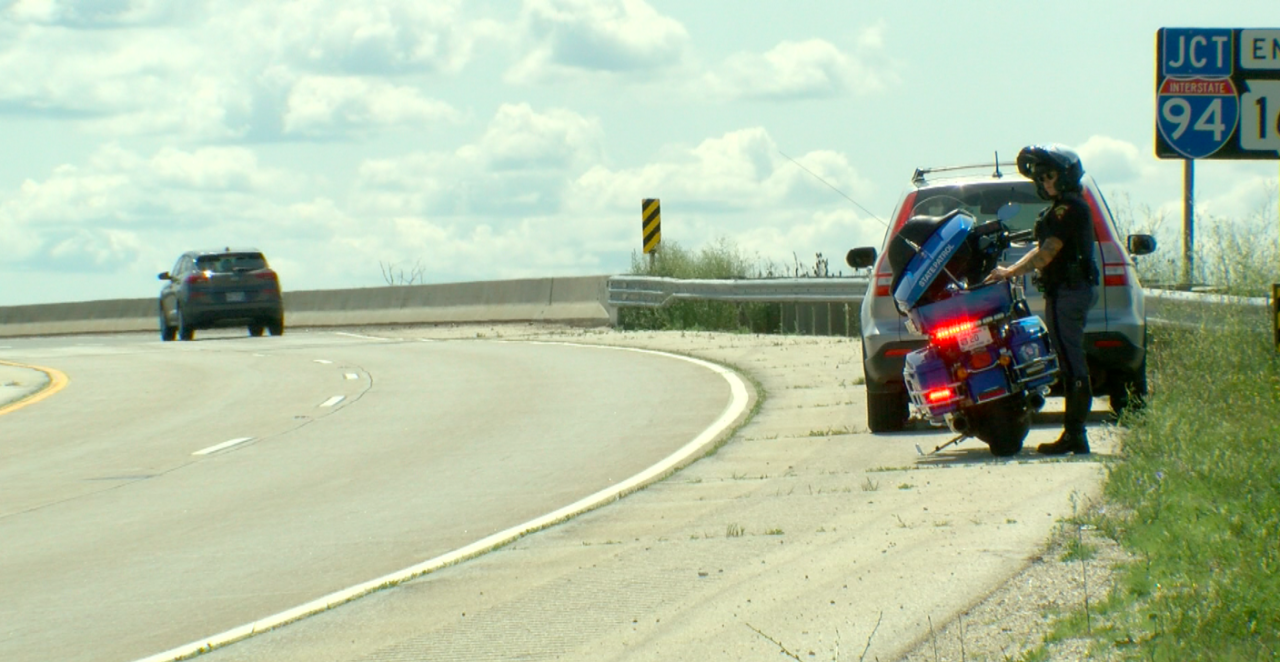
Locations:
{"points": [[231, 262], [982, 201]]}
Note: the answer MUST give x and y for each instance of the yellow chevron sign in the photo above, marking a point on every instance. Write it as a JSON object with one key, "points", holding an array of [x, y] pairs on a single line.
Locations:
{"points": [[651, 224]]}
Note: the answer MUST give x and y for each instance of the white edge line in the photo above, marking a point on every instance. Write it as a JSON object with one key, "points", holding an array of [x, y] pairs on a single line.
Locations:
{"points": [[223, 445], [325, 361], [730, 414], [357, 335], [333, 401]]}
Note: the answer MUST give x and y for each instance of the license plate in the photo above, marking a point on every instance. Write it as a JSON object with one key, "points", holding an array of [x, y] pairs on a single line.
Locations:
{"points": [[975, 338], [235, 297]]}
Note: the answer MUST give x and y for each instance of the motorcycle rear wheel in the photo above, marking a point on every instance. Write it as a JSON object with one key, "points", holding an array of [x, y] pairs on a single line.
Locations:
{"points": [[1002, 424]]}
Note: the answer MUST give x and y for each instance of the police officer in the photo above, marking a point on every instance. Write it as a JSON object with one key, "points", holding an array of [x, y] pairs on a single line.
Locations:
{"points": [[1068, 275]]}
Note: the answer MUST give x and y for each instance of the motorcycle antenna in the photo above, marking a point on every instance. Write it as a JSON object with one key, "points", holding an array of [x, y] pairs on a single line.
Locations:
{"points": [[833, 188], [997, 174]]}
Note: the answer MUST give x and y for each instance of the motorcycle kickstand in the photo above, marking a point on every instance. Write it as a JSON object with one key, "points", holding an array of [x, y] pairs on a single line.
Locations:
{"points": [[958, 439]]}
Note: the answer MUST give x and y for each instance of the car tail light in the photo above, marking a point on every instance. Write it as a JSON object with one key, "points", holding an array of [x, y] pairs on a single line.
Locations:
{"points": [[884, 274], [901, 351], [884, 279], [1115, 269], [269, 275], [940, 394], [952, 330], [1108, 344], [197, 278]]}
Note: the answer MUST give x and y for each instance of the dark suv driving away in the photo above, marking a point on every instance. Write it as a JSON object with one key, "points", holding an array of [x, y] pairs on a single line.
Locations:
{"points": [[1116, 329], [220, 288]]}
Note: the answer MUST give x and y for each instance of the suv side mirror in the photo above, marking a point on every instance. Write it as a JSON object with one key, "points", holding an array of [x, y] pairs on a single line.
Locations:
{"points": [[163, 275], [861, 258], [1141, 244]]}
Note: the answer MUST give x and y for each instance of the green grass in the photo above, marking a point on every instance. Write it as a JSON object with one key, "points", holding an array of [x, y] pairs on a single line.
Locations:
{"points": [[1196, 497]]}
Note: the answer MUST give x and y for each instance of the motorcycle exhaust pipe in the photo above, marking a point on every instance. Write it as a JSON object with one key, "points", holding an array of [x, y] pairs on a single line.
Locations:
{"points": [[959, 424], [1035, 401]]}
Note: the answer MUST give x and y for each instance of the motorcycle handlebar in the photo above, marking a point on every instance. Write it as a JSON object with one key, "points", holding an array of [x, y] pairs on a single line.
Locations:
{"points": [[1024, 235]]}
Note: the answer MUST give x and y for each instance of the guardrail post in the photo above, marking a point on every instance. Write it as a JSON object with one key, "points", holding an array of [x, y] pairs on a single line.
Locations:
{"points": [[1275, 313]]}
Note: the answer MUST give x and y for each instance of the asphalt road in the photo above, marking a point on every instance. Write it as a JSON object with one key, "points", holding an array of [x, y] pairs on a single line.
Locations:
{"points": [[171, 491]]}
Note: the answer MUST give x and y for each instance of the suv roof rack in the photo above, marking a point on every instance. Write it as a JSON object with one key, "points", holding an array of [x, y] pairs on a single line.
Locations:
{"points": [[918, 178]]}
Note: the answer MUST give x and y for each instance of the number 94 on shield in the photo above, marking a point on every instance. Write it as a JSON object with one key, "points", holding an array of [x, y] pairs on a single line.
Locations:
{"points": [[1197, 115]]}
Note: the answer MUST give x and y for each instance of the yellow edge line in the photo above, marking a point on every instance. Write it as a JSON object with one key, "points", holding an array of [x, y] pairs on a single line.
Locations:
{"points": [[57, 382]]}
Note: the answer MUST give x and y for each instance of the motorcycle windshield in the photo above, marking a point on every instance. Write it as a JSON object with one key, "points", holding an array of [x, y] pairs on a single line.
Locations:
{"points": [[931, 259]]}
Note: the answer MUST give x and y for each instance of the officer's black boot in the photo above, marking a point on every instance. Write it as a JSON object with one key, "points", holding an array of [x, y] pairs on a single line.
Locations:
{"points": [[1073, 439]]}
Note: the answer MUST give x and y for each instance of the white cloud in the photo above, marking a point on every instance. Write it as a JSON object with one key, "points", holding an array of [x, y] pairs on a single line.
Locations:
{"points": [[791, 70], [234, 71], [570, 38], [1113, 161], [214, 169], [738, 171], [520, 138], [122, 206], [96, 13], [522, 163], [323, 106], [339, 37]]}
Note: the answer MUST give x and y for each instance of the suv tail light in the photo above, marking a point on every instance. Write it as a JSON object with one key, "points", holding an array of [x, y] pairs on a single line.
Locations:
{"points": [[1115, 269], [884, 278], [884, 274], [196, 278], [269, 275]]}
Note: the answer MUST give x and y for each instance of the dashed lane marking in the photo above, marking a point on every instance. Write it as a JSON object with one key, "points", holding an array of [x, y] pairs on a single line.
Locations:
{"points": [[222, 446]]}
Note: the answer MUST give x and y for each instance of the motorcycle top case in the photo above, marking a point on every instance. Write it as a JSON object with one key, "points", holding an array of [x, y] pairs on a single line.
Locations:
{"points": [[930, 261]]}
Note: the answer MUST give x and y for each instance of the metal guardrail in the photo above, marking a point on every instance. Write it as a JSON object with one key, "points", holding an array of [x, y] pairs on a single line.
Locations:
{"points": [[656, 292], [1162, 306]]}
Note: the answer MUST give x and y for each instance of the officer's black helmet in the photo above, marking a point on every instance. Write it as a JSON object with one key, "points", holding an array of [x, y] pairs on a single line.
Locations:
{"points": [[1035, 160]]}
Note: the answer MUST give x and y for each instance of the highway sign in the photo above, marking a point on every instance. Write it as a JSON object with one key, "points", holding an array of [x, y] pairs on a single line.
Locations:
{"points": [[1217, 93]]}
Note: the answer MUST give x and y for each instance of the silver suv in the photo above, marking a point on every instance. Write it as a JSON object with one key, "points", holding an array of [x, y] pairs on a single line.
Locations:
{"points": [[1116, 330]]}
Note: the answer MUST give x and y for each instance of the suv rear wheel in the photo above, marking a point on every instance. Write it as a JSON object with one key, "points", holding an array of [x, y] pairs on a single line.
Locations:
{"points": [[887, 412], [1128, 390]]}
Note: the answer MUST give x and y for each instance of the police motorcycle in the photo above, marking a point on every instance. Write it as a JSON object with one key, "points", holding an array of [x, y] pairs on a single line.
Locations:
{"points": [[989, 362]]}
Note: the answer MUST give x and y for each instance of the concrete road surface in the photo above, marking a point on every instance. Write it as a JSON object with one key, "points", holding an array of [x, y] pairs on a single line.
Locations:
{"points": [[803, 536], [172, 491]]}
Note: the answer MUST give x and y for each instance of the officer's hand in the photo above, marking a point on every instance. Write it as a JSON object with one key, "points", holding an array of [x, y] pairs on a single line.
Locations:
{"points": [[998, 274]]}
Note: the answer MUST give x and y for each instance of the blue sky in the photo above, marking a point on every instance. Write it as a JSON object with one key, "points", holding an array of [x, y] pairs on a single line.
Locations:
{"points": [[463, 141]]}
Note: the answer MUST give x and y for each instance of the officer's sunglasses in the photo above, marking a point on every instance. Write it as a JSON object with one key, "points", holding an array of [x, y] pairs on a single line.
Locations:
{"points": [[1046, 175]]}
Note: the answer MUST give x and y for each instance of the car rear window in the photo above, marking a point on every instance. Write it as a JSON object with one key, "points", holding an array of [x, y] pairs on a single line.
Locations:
{"points": [[983, 201], [231, 262]]}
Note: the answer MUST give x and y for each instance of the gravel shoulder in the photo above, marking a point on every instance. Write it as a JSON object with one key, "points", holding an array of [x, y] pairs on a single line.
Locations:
{"points": [[802, 535]]}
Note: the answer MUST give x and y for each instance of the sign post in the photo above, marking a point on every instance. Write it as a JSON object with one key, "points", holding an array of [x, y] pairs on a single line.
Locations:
{"points": [[1217, 97]]}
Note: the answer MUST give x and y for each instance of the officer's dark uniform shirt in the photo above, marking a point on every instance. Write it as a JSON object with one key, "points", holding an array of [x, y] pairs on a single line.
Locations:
{"points": [[1068, 220]]}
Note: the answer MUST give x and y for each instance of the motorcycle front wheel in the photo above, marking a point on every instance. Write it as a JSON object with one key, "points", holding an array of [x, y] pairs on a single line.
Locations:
{"points": [[1002, 424]]}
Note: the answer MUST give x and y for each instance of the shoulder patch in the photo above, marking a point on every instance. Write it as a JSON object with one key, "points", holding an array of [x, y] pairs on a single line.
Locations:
{"points": [[1060, 211]]}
